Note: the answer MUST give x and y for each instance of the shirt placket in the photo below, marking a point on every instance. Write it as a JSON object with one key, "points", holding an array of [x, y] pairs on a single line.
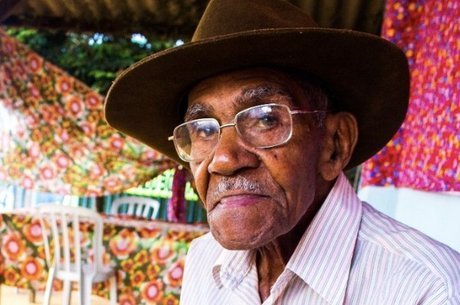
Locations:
{"points": [[246, 291]]}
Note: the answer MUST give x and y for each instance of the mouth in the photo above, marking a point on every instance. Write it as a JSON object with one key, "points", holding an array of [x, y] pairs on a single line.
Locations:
{"points": [[239, 200], [234, 192]]}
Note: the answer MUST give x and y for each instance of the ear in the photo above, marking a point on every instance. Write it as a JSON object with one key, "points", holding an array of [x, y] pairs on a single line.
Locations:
{"points": [[339, 142]]}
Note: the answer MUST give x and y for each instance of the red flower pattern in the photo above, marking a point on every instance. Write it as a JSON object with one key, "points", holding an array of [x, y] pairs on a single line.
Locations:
{"points": [[425, 153], [141, 279]]}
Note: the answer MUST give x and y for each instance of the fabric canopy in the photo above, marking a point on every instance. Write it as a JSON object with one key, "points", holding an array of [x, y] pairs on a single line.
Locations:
{"points": [[53, 136], [425, 154]]}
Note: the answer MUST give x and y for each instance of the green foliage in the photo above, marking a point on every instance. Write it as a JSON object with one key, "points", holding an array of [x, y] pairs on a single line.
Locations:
{"points": [[95, 59]]}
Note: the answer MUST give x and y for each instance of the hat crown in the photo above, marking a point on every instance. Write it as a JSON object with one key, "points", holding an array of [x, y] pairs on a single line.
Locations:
{"points": [[224, 17]]}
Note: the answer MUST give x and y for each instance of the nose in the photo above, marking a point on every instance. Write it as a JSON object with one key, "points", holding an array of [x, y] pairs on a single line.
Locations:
{"points": [[231, 154]]}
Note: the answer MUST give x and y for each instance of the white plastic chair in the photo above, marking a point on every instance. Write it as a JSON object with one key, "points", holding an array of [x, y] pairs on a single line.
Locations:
{"points": [[83, 269], [136, 206]]}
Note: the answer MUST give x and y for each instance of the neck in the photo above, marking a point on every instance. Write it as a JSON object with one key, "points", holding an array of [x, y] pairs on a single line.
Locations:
{"points": [[269, 267], [288, 242], [272, 258]]}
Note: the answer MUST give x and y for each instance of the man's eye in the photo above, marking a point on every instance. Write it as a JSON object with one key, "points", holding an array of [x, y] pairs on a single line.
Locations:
{"points": [[267, 121], [203, 131]]}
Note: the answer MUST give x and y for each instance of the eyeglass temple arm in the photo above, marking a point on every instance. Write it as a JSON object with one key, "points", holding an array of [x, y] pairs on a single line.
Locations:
{"points": [[299, 111]]}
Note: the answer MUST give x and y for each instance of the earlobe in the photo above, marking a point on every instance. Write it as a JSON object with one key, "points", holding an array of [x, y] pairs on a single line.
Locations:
{"points": [[339, 142]]}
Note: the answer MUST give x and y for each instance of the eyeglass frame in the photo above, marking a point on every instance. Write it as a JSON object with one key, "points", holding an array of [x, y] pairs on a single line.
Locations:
{"points": [[233, 123]]}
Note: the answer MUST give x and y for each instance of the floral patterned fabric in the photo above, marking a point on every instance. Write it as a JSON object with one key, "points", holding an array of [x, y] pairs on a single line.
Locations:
{"points": [[425, 154], [53, 135], [148, 256]]}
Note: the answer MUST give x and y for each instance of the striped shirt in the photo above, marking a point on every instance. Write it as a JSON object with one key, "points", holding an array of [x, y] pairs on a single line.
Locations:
{"points": [[350, 254]]}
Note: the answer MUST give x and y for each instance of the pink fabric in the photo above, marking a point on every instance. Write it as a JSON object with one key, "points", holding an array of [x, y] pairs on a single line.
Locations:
{"points": [[425, 154], [176, 206]]}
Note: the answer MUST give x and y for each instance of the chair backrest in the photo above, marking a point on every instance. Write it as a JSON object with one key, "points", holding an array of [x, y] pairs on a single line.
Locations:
{"points": [[70, 228], [7, 197], [136, 206]]}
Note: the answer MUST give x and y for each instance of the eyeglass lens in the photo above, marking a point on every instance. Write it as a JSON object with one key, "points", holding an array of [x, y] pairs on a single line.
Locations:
{"points": [[261, 126]]}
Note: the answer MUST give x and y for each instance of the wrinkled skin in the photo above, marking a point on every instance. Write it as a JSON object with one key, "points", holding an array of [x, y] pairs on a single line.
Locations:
{"points": [[264, 199]]}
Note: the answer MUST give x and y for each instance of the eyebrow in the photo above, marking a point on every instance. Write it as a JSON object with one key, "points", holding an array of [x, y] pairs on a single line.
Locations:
{"points": [[196, 111], [251, 96]]}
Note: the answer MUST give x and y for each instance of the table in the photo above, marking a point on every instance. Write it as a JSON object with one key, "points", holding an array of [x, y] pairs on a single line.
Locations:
{"points": [[148, 255]]}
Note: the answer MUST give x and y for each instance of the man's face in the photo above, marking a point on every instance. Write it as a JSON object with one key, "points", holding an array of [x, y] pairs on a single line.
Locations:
{"points": [[253, 195]]}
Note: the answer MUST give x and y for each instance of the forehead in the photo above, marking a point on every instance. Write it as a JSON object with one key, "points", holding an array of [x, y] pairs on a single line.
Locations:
{"points": [[240, 89]]}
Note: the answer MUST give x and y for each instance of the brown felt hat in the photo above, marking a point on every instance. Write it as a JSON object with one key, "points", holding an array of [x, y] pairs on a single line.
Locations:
{"points": [[368, 75]]}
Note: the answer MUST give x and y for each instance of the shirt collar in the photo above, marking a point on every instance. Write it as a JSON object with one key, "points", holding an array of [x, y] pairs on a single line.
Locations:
{"points": [[231, 267], [324, 255]]}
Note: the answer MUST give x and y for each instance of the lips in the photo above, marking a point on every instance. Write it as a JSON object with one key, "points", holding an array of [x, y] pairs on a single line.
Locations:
{"points": [[242, 200], [237, 191]]}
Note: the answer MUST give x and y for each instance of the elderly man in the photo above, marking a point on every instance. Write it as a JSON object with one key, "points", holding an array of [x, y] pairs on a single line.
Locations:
{"points": [[267, 110]]}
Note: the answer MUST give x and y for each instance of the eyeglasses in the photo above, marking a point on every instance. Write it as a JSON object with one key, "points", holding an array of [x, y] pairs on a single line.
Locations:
{"points": [[262, 126]]}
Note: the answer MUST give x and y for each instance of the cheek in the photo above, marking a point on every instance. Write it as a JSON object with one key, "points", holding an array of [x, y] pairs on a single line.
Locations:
{"points": [[295, 172], [201, 177]]}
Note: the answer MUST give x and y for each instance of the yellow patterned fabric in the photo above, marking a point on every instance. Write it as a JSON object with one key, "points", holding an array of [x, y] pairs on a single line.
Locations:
{"points": [[148, 256], [53, 135]]}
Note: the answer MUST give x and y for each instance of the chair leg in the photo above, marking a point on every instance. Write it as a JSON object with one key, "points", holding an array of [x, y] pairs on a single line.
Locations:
{"points": [[49, 286], [113, 290], [32, 295], [66, 291], [81, 290], [86, 286]]}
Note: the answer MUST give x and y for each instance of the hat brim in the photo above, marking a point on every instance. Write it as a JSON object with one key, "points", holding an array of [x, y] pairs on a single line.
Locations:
{"points": [[367, 75]]}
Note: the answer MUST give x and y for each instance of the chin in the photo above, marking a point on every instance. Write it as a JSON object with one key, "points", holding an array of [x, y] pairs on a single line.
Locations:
{"points": [[236, 245], [246, 228], [243, 242]]}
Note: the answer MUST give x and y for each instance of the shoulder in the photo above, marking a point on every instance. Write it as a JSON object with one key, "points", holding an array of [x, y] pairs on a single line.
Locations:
{"points": [[410, 247], [202, 254], [204, 245], [198, 273]]}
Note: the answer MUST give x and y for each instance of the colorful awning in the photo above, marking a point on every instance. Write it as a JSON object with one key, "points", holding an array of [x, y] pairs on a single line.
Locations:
{"points": [[425, 154], [53, 136]]}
